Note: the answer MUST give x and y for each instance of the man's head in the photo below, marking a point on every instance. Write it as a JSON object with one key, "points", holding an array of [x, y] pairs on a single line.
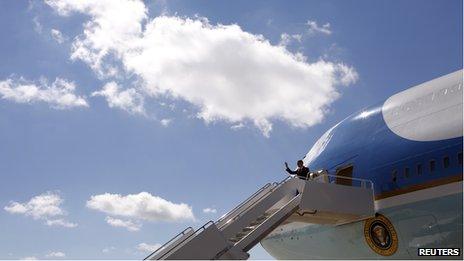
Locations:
{"points": [[299, 163]]}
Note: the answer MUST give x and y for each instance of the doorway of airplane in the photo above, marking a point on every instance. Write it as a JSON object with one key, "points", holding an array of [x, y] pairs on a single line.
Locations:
{"points": [[346, 171]]}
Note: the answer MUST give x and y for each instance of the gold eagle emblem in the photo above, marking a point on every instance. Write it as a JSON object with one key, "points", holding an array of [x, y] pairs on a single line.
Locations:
{"points": [[380, 235]]}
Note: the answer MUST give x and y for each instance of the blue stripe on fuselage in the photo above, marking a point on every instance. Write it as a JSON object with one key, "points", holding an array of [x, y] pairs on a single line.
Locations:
{"points": [[375, 151]]}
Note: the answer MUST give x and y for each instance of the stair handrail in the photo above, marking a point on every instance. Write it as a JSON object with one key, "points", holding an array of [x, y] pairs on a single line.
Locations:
{"points": [[285, 180], [223, 217], [211, 222], [169, 242], [291, 201], [365, 183], [262, 196], [194, 233]]}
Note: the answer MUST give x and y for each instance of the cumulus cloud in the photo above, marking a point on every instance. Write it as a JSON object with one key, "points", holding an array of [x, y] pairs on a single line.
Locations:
{"points": [[108, 249], [227, 74], [142, 206], [313, 28], [237, 126], [59, 94], [286, 39], [60, 223], [57, 36], [113, 25], [210, 211], [127, 224], [166, 122], [57, 254], [144, 247], [37, 25], [129, 100], [347, 74], [46, 206]]}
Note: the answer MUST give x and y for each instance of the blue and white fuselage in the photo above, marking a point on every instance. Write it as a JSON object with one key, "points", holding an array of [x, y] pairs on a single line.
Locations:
{"points": [[410, 147]]}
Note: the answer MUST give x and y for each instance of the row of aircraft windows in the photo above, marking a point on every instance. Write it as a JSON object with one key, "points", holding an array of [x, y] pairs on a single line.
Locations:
{"points": [[432, 166]]}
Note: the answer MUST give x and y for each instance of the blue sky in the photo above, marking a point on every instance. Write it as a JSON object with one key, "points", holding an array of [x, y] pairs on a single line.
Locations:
{"points": [[196, 103]]}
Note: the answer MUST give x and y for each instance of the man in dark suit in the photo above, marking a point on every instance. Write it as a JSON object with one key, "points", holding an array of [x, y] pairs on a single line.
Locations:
{"points": [[301, 171]]}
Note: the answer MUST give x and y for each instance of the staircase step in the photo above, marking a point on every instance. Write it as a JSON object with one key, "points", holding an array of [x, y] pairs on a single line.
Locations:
{"points": [[242, 234], [234, 240], [257, 222], [248, 229]]}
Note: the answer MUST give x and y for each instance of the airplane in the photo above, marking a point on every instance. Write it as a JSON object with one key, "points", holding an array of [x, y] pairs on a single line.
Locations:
{"points": [[410, 147], [386, 182]]}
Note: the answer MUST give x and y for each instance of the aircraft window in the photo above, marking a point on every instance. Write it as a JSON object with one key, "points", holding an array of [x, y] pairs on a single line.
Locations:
{"points": [[394, 174], [460, 158], [446, 162], [406, 172], [419, 169], [432, 166]]}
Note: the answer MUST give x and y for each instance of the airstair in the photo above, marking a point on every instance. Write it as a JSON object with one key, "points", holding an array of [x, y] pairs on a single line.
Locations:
{"points": [[321, 199]]}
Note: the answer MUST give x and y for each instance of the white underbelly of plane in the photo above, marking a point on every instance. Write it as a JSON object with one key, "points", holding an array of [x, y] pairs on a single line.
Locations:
{"points": [[426, 218]]}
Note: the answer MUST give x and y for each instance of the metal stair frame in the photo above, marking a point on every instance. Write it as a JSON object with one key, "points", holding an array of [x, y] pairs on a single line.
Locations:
{"points": [[257, 209], [273, 221], [342, 203], [204, 245], [229, 217], [319, 198], [171, 244]]}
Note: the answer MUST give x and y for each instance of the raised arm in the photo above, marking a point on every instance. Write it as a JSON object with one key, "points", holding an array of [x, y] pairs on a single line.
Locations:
{"points": [[288, 169]]}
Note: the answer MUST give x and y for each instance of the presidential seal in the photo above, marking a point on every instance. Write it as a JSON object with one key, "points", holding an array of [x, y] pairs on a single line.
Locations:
{"points": [[380, 235]]}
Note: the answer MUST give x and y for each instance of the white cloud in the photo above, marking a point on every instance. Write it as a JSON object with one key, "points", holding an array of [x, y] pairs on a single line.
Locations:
{"points": [[46, 206], [29, 258], [313, 28], [210, 211], [16, 208], [143, 206], [59, 94], [238, 126], [165, 122], [347, 75], [227, 73], [108, 249], [129, 100], [57, 254], [286, 39], [60, 223], [37, 25], [171, 106], [113, 25], [144, 247], [127, 224], [57, 36]]}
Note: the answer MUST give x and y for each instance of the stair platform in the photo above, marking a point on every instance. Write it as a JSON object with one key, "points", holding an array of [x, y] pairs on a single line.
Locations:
{"points": [[317, 199]]}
